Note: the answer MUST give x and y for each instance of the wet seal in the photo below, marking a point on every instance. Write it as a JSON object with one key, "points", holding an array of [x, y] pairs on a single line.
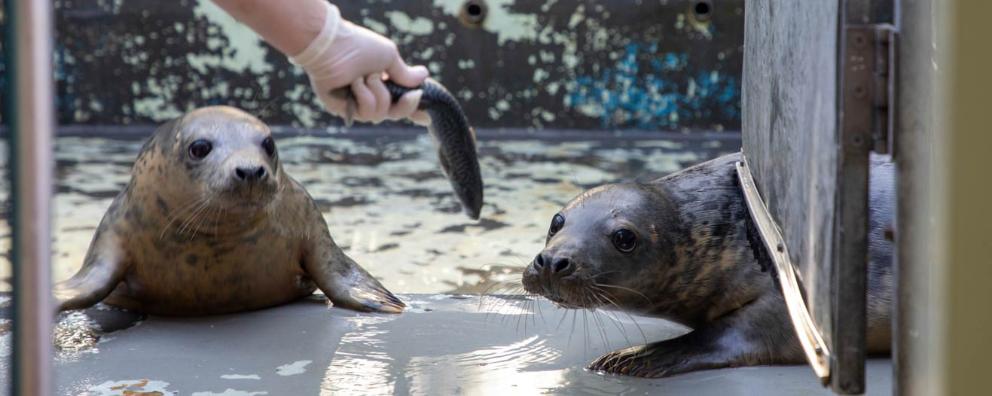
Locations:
{"points": [[678, 248], [210, 223]]}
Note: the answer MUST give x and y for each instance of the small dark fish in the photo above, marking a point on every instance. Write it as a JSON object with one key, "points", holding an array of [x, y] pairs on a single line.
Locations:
{"points": [[454, 136]]}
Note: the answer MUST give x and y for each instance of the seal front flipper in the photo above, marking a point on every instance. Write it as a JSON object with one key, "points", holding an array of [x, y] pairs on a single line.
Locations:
{"points": [[102, 270], [344, 282], [758, 333], [662, 359]]}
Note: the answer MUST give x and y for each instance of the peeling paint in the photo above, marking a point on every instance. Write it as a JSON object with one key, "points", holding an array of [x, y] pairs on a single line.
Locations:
{"points": [[242, 48], [136, 387], [413, 25]]}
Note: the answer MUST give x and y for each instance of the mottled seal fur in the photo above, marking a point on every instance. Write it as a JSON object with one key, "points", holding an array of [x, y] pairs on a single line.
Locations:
{"points": [[678, 248], [210, 223]]}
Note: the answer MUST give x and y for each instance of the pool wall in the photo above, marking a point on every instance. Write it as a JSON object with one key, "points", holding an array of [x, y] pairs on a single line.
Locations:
{"points": [[560, 64]]}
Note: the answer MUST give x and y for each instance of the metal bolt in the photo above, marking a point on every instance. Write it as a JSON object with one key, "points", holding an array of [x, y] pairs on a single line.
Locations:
{"points": [[859, 40], [860, 91]]}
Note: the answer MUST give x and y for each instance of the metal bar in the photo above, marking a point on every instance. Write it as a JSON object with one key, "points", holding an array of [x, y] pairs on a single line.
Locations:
{"points": [[32, 121], [817, 352], [849, 276], [914, 331]]}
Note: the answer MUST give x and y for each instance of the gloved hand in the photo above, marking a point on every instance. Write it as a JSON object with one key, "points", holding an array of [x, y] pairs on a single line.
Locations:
{"points": [[344, 55]]}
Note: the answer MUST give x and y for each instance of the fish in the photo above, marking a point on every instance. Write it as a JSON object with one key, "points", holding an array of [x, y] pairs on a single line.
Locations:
{"points": [[453, 136]]}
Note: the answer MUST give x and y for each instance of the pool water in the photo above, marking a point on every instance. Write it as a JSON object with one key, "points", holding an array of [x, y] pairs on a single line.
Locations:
{"points": [[387, 202]]}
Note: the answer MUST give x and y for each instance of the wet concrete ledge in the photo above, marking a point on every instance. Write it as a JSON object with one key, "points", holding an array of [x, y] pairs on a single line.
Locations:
{"points": [[443, 345]]}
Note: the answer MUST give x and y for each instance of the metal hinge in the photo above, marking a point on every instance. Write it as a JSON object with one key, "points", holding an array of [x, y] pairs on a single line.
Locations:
{"points": [[869, 84]]}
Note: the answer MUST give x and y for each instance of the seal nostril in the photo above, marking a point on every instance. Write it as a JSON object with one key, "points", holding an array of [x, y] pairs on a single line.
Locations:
{"points": [[539, 261], [562, 265], [252, 173]]}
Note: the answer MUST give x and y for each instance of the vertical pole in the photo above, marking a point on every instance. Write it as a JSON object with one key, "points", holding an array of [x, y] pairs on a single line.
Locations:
{"points": [[964, 223], [915, 352], [30, 101]]}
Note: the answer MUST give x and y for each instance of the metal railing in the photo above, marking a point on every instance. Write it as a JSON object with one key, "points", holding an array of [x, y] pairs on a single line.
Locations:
{"points": [[30, 104]]}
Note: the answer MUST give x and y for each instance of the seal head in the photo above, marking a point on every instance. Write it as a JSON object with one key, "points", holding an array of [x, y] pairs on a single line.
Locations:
{"points": [[228, 155], [602, 245]]}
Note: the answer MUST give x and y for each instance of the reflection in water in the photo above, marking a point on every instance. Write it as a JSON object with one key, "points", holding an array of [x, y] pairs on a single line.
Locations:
{"points": [[480, 349], [75, 332], [361, 364], [485, 371]]}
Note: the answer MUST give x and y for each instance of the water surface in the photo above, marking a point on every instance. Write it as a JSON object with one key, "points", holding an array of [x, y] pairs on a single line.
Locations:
{"points": [[387, 202]]}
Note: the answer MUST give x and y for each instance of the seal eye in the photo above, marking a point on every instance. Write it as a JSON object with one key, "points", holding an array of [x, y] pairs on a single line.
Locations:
{"points": [[625, 240], [269, 145], [199, 149], [557, 223]]}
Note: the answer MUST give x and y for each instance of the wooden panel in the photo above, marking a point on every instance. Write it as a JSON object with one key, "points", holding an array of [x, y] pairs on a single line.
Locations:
{"points": [[790, 131]]}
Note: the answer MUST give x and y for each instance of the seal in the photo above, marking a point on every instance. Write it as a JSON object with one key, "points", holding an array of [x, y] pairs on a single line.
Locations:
{"points": [[678, 248], [210, 223]]}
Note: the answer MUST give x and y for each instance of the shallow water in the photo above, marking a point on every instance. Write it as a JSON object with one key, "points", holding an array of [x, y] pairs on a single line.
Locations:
{"points": [[387, 202], [442, 345]]}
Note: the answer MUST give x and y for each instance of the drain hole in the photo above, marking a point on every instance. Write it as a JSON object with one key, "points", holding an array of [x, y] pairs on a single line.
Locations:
{"points": [[474, 10], [473, 13], [701, 10]]}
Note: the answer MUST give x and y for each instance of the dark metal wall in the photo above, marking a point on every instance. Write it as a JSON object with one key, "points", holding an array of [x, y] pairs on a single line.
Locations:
{"points": [[563, 64]]}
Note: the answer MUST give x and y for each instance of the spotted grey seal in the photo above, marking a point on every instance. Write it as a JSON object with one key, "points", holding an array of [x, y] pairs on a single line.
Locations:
{"points": [[678, 248], [211, 223]]}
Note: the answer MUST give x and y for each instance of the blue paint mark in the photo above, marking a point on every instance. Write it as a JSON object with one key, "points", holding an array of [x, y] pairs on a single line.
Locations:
{"points": [[65, 103], [661, 98]]}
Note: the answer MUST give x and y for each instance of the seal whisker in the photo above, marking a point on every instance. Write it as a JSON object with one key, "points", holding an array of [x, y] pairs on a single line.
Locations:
{"points": [[493, 304], [188, 224], [598, 321], [204, 215], [179, 212], [626, 289], [623, 331], [192, 209], [585, 331], [574, 315], [535, 303], [629, 316]]}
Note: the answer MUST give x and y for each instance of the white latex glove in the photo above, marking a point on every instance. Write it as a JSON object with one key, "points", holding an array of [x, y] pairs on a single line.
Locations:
{"points": [[344, 55]]}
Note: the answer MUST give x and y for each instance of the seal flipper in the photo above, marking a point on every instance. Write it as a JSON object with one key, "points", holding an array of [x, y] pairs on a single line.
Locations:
{"points": [[344, 282], [758, 333], [103, 268]]}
